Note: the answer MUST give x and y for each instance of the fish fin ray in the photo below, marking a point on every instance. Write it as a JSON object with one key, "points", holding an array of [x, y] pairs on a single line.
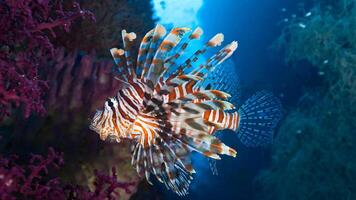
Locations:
{"points": [[259, 115]]}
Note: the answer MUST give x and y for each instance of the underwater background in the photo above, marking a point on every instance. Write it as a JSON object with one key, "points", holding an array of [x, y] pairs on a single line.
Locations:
{"points": [[55, 71]]}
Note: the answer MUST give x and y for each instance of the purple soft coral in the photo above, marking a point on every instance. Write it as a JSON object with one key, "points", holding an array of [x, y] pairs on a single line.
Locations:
{"points": [[32, 182], [26, 27], [28, 183]]}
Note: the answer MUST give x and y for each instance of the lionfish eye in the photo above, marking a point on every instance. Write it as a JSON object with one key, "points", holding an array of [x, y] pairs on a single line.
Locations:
{"points": [[110, 103]]}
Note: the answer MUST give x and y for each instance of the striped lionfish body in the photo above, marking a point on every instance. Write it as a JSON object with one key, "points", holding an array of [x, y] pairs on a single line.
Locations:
{"points": [[168, 113]]}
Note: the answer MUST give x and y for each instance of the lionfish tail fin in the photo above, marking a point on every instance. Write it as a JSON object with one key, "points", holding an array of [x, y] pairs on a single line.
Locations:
{"points": [[259, 115]]}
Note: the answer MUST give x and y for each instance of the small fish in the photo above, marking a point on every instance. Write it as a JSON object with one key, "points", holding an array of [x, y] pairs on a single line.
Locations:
{"points": [[169, 109], [301, 25]]}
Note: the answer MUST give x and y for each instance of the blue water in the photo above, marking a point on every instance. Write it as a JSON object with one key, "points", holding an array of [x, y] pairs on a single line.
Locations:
{"points": [[255, 24]]}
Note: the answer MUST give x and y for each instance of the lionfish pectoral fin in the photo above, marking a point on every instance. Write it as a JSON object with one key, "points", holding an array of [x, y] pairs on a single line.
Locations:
{"points": [[167, 160], [259, 115], [147, 175]]}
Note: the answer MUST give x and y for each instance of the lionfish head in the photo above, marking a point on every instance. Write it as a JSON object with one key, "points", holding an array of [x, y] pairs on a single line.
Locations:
{"points": [[103, 123]]}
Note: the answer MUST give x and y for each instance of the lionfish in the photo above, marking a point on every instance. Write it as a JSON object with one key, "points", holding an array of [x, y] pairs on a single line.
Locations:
{"points": [[168, 109]]}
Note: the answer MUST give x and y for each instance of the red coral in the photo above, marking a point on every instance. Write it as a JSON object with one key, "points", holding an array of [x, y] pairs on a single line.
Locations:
{"points": [[26, 27]]}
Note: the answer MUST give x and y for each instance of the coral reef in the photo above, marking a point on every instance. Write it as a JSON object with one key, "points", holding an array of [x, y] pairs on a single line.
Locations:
{"points": [[33, 182], [325, 38], [26, 27], [312, 157]]}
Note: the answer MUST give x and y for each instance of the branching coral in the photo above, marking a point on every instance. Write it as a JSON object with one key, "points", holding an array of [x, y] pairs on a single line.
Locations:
{"points": [[26, 27], [313, 154], [32, 181]]}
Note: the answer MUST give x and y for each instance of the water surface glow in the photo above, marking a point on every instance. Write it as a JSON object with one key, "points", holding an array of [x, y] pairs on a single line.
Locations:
{"points": [[177, 13]]}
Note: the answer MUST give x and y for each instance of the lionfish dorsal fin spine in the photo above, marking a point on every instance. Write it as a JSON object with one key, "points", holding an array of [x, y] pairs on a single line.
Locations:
{"points": [[119, 59], [215, 60], [170, 62], [169, 43], [158, 34], [188, 64], [128, 40], [143, 51]]}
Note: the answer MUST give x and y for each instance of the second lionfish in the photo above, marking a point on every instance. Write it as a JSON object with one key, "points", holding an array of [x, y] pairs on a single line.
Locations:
{"points": [[169, 108]]}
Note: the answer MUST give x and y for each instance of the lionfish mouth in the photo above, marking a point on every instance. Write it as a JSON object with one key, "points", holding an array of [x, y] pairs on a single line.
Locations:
{"points": [[94, 122], [112, 138]]}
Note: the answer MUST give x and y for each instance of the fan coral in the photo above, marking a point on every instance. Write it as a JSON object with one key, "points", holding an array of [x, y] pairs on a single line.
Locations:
{"points": [[26, 28], [32, 182], [313, 155]]}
